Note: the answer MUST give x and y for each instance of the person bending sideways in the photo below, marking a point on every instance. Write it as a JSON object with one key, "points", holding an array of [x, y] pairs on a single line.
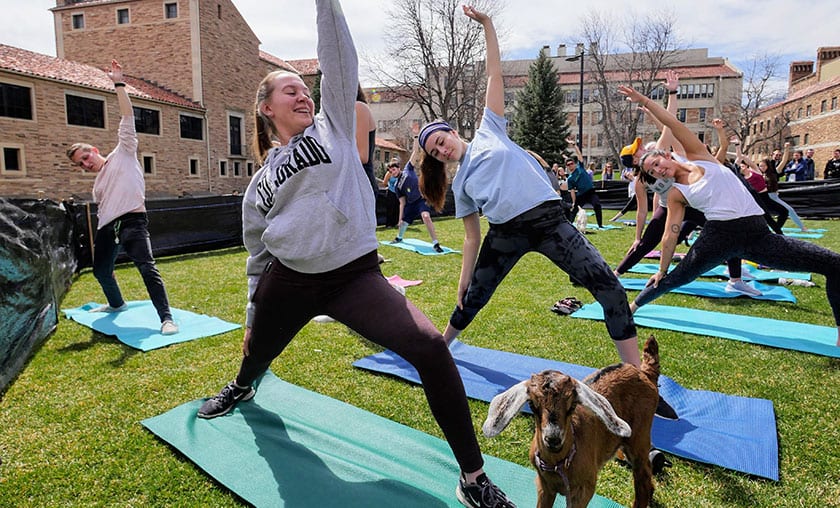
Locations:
{"points": [[508, 185], [120, 194], [299, 268], [735, 224]]}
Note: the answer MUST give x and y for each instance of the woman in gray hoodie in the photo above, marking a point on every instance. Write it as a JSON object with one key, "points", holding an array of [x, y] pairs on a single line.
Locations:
{"points": [[310, 231]]}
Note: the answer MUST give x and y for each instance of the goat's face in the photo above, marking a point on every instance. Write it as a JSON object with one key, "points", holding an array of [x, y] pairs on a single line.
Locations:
{"points": [[553, 399]]}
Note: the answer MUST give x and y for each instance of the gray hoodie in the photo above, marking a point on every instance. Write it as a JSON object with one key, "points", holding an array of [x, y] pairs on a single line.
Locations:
{"points": [[310, 205]]}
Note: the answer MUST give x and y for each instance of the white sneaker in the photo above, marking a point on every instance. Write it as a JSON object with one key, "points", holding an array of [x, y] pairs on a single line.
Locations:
{"points": [[168, 327], [108, 308], [742, 287]]}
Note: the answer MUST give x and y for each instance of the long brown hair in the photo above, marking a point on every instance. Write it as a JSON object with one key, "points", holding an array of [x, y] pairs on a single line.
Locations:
{"points": [[264, 131], [432, 180]]}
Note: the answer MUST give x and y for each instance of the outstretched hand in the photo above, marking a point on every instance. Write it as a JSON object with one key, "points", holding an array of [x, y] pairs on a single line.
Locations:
{"points": [[632, 94], [115, 73], [472, 13], [672, 80]]}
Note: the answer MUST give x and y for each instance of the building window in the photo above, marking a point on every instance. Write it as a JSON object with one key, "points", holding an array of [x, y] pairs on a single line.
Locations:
{"points": [[806, 139], [170, 10], [192, 127], [237, 168], [78, 21], [193, 166], [681, 114], [823, 106], [702, 118], [148, 164], [235, 134], [711, 90], [85, 111], [15, 101], [799, 113], [808, 110], [249, 168], [12, 163], [147, 121], [222, 168], [833, 103], [702, 136], [122, 16]]}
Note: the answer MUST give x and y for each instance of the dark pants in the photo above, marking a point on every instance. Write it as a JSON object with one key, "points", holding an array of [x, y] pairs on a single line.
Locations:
{"points": [[131, 231], [749, 238], [653, 235], [360, 297], [544, 229], [591, 198]]}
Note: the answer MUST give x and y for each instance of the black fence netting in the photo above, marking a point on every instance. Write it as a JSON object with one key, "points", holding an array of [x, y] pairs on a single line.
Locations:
{"points": [[37, 262]]}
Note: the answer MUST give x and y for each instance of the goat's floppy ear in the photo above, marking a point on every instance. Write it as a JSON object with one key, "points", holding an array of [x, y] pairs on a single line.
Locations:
{"points": [[602, 408], [504, 407]]}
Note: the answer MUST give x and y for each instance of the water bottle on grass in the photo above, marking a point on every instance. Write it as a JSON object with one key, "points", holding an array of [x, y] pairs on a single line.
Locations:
{"points": [[796, 282]]}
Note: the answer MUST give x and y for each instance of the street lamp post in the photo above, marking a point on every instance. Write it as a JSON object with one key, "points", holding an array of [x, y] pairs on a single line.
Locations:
{"points": [[579, 56]]}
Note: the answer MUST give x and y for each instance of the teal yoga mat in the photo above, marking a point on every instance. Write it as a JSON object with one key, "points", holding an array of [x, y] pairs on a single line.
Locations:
{"points": [[290, 447], [807, 338], [418, 246], [602, 228], [718, 290], [748, 272], [139, 325], [737, 433]]}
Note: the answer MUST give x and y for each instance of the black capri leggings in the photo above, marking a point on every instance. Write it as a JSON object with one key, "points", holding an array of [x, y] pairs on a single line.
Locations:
{"points": [[359, 296], [544, 229], [749, 238]]}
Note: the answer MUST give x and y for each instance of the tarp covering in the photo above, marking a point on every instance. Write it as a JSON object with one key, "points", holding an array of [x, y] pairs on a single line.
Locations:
{"points": [[37, 262]]}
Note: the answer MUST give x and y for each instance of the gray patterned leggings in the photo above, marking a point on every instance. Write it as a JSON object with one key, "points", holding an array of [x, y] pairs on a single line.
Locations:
{"points": [[544, 229]]}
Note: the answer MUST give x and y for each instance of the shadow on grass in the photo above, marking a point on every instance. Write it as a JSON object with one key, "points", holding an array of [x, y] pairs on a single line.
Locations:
{"points": [[97, 338]]}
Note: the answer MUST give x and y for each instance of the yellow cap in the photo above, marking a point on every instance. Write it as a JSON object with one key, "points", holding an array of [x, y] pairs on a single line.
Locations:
{"points": [[632, 148]]}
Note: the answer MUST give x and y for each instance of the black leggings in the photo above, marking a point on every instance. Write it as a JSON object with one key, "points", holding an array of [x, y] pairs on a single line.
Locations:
{"points": [[591, 198], [749, 238], [544, 229], [653, 235], [359, 296]]}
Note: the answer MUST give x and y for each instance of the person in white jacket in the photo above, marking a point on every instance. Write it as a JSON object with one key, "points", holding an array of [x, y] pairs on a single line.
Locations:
{"points": [[120, 194]]}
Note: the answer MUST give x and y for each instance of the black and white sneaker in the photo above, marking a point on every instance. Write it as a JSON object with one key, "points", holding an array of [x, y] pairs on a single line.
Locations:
{"points": [[664, 410], [225, 401], [438, 248], [482, 494]]}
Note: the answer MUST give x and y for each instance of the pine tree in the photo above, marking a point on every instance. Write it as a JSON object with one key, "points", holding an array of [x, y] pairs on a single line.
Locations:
{"points": [[539, 123]]}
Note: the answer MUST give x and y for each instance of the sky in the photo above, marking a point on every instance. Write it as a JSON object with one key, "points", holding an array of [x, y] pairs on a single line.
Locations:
{"points": [[735, 29]]}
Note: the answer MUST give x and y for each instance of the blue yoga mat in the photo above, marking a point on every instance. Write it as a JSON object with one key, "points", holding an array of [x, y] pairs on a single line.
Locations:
{"points": [[290, 447], [797, 230], [602, 228], [807, 338], [139, 325], [734, 432], [419, 246], [718, 290], [748, 272]]}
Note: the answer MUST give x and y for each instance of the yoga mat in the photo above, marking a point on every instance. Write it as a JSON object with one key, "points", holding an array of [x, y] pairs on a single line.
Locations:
{"points": [[807, 338], [797, 230], [737, 433], [399, 281], [656, 254], [139, 325], [602, 228], [290, 447], [718, 290], [747, 272], [419, 246], [806, 234]]}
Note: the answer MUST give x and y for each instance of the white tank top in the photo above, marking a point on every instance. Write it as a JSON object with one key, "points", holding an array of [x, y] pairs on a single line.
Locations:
{"points": [[719, 194]]}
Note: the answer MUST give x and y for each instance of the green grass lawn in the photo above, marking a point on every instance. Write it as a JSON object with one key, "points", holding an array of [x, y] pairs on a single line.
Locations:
{"points": [[70, 422]]}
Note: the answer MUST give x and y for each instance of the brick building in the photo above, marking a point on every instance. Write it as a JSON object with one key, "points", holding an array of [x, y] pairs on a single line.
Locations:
{"points": [[192, 70], [810, 115]]}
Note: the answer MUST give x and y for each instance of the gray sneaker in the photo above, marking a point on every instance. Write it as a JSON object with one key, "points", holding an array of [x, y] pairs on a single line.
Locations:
{"points": [[225, 401], [109, 309]]}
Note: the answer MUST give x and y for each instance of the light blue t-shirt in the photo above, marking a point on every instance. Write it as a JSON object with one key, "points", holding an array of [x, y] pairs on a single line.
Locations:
{"points": [[497, 176]]}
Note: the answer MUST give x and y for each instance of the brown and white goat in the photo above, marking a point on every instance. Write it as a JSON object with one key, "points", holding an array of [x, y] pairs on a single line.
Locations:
{"points": [[579, 426]]}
